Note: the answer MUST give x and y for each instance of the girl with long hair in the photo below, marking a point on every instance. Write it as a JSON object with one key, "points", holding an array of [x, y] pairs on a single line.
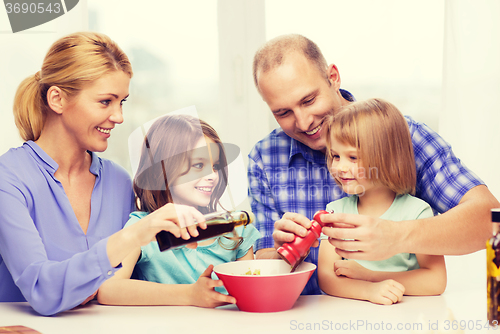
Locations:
{"points": [[183, 162]]}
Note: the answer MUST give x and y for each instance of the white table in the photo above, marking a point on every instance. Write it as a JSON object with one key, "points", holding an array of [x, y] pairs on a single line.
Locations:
{"points": [[322, 314]]}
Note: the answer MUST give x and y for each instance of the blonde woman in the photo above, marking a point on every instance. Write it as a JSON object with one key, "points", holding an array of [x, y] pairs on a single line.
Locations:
{"points": [[370, 155], [63, 207]]}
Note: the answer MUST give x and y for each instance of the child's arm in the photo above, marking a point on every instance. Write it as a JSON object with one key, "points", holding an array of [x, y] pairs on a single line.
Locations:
{"points": [[121, 290], [248, 256], [385, 292], [429, 279]]}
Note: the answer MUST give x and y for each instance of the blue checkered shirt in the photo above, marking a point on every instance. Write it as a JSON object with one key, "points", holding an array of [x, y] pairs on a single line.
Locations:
{"points": [[287, 176]]}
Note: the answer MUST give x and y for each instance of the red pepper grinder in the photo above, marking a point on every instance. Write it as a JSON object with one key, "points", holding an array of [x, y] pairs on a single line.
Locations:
{"points": [[296, 251]]}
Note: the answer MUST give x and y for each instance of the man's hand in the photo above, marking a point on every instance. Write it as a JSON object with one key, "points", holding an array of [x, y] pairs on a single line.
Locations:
{"points": [[285, 230], [362, 237], [290, 225]]}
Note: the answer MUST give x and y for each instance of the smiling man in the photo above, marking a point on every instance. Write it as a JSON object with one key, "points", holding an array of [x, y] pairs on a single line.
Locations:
{"points": [[300, 98], [289, 179]]}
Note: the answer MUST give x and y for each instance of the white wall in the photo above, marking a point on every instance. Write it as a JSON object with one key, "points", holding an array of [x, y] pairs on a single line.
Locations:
{"points": [[470, 115], [471, 86]]}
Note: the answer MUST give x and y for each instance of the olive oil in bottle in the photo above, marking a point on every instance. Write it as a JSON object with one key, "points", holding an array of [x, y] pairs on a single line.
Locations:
{"points": [[493, 271], [218, 223]]}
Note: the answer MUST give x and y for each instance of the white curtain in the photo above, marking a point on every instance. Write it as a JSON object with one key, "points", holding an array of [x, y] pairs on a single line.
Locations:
{"points": [[245, 119], [242, 30]]}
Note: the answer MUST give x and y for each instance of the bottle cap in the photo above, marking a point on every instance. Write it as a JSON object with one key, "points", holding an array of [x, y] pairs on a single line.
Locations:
{"points": [[251, 217], [495, 215]]}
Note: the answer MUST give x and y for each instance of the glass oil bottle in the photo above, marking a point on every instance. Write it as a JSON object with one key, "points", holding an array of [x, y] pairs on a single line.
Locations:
{"points": [[218, 223], [493, 271]]}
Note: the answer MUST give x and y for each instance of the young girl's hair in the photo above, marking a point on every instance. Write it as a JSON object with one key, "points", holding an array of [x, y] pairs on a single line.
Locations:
{"points": [[71, 63], [166, 152], [380, 133]]}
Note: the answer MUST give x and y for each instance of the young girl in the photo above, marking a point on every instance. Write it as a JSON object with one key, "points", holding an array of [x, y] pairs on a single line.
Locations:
{"points": [[370, 155], [182, 162]]}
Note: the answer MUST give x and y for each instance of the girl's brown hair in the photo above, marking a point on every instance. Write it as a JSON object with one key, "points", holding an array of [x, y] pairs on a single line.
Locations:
{"points": [[166, 152], [380, 133], [71, 63]]}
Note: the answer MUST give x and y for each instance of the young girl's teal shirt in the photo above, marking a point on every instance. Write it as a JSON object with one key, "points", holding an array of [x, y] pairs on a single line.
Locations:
{"points": [[185, 265], [404, 207]]}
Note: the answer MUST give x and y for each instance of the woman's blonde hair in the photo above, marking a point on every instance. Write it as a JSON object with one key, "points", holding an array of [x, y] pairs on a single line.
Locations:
{"points": [[71, 63], [380, 133]]}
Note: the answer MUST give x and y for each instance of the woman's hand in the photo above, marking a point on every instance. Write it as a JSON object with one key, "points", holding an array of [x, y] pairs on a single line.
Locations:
{"points": [[177, 219], [180, 220], [203, 293], [386, 292]]}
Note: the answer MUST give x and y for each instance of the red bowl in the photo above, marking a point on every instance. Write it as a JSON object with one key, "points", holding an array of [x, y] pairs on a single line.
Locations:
{"points": [[274, 290]]}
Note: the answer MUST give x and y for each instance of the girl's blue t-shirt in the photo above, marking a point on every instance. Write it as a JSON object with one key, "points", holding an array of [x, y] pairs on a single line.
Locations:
{"points": [[185, 265], [404, 207]]}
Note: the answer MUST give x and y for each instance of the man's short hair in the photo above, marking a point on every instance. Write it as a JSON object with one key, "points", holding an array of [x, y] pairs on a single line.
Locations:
{"points": [[273, 53]]}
